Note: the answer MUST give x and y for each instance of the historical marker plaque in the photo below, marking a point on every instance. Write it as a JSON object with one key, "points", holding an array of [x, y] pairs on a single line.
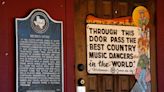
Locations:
{"points": [[39, 53]]}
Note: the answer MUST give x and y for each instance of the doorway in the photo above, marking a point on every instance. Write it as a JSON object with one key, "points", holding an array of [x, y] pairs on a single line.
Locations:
{"points": [[107, 9]]}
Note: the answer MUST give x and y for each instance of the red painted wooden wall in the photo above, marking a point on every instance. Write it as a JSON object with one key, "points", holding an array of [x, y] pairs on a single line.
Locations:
{"points": [[11, 9], [160, 44]]}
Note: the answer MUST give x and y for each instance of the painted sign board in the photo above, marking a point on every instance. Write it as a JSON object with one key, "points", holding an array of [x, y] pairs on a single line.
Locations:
{"points": [[121, 46], [112, 49], [39, 53]]}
